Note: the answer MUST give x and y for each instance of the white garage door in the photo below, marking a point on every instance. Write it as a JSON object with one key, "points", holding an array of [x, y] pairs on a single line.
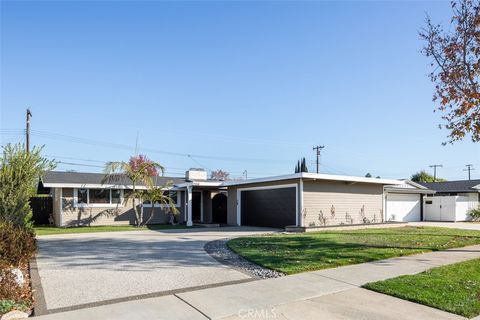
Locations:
{"points": [[403, 207]]}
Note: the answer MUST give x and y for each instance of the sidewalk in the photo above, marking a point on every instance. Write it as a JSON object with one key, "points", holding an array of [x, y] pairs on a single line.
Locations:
{"points": [[324, 294]]}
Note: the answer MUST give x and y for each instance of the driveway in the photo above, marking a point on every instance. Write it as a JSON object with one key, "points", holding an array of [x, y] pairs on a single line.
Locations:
{"points": [[82, 270]]}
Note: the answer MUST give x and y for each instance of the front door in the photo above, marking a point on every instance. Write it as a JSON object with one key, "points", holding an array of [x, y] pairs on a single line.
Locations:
{"points": [[196, 206]]}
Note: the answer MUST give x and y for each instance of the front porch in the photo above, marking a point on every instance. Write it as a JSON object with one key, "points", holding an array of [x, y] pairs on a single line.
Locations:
{"points": [[205, 202]]}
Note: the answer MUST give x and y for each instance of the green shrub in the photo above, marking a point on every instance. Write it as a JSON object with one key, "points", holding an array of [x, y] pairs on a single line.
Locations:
{"points": [[475, 214], [17, 245], [19, 173], [7, 305]]}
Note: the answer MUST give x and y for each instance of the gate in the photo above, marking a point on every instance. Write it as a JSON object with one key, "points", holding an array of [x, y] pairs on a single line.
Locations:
{"points": [[42, 209]]}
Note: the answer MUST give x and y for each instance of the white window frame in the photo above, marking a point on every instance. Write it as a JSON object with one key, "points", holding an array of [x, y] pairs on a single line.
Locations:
{"points": [[96, 205], [178, 204]]}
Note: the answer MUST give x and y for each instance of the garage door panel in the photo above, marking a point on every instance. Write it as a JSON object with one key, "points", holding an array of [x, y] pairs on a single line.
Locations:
{"points": [[403, 207], [269, 207]]}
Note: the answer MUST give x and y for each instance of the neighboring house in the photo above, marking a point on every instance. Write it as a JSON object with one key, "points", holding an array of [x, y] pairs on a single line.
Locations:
{"points": [[300, 199], [452, 200]]}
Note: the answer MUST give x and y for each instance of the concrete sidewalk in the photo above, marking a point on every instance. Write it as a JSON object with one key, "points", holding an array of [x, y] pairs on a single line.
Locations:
{"points": [[328, 294]]}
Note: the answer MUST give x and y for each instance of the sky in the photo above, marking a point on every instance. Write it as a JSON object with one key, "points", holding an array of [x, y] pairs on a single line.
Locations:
{"points": [[232, 85]]}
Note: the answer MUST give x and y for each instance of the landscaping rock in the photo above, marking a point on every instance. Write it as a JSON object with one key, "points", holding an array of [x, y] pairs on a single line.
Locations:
{"points": [[219, 250], [19, 278], [14, 315]]}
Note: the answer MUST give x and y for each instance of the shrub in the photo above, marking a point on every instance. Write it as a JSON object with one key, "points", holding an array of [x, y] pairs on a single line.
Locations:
{"points": [[8, 305], [17, 245], [19, 173], [475, 214]]}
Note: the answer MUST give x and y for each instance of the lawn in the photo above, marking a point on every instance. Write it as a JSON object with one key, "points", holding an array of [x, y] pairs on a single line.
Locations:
{"points": [[454, 288], [49, 230], [294, 253]]}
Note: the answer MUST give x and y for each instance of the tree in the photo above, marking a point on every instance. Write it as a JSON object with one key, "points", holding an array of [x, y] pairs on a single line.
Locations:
{"points": [[155, 194], [140, 171], [220, 175], [368, 175], [301, 166], [455, 58], [19, 174], [423, 176]]}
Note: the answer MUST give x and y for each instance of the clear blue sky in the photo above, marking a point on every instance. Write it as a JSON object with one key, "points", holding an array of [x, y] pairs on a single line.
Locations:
{"points": [[238, 85]]}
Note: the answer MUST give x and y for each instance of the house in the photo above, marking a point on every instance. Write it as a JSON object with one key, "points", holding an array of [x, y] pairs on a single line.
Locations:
{"points": [[300, 199], [452, 200]]}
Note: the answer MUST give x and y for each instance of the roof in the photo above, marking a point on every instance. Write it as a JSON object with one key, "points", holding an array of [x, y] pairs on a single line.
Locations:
{"points": [[454, 186], [319, 176], [94, 180]]}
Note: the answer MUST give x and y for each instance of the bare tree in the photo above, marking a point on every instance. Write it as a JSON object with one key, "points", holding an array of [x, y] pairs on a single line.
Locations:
{"points": [[220, 175], [455, 58]]}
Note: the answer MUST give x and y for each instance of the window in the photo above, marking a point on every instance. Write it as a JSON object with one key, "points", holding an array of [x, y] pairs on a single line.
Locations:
{"points": [[82, 195], [116, 196], [172, 193], [98, 197]]}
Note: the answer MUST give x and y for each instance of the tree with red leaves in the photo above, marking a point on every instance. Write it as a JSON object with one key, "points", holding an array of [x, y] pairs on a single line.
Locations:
{"points": [[141, 171], [455, 58]]}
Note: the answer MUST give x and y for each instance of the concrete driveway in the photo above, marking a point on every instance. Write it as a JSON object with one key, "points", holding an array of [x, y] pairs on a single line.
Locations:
{"points": [[83, 270]]}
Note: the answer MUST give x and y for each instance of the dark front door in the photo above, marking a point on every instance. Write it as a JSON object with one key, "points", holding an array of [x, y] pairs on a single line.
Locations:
{"points": [[196, 206], [219, 208], [269, 207]]}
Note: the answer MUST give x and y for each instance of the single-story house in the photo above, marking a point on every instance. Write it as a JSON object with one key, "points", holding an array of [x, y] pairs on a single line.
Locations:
{"points": [[300, 199], [452, 200]]}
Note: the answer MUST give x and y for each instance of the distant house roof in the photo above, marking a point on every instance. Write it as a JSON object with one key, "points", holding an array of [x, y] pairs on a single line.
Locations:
{"points": [[454, 186], [70, 179]]}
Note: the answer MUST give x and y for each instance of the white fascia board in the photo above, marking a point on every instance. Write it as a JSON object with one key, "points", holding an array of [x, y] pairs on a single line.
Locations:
{"points": [[200, 184], [417, 185], [266, 179], [318, 176], [333, 177], [476, 187], [96, 186], [408, 190]]}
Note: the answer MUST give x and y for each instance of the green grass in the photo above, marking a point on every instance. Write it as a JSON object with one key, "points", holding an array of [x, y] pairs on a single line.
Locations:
{"points": [[49, 230], [296, 253], [454, 288], [9, 305]]}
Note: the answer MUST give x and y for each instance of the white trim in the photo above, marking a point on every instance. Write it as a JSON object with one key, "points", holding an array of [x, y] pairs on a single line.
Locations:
{"points": [[60, 197], [189, 206], [280, 186], [299, 221], [317, 176], [96, 205]]}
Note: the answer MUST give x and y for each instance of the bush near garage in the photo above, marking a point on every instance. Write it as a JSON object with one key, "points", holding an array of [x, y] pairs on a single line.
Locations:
{"points": [[475, 214]]}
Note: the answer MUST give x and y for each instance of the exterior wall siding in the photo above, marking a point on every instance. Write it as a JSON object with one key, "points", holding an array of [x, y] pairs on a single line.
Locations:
{"points": [[115, 215], [351, 203]]}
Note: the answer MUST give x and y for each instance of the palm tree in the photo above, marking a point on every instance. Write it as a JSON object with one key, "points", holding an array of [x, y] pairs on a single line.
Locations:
{"points": [[155, 194], [140, 171]]}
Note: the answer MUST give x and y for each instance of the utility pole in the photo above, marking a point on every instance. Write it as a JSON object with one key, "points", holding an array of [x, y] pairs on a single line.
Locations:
{"points": [[245, 173], [435, 166], [469, 168], [318, 149], [29, 114]]}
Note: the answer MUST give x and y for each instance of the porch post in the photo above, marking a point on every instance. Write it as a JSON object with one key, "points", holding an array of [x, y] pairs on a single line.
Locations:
{"points": [[189, 206]]}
